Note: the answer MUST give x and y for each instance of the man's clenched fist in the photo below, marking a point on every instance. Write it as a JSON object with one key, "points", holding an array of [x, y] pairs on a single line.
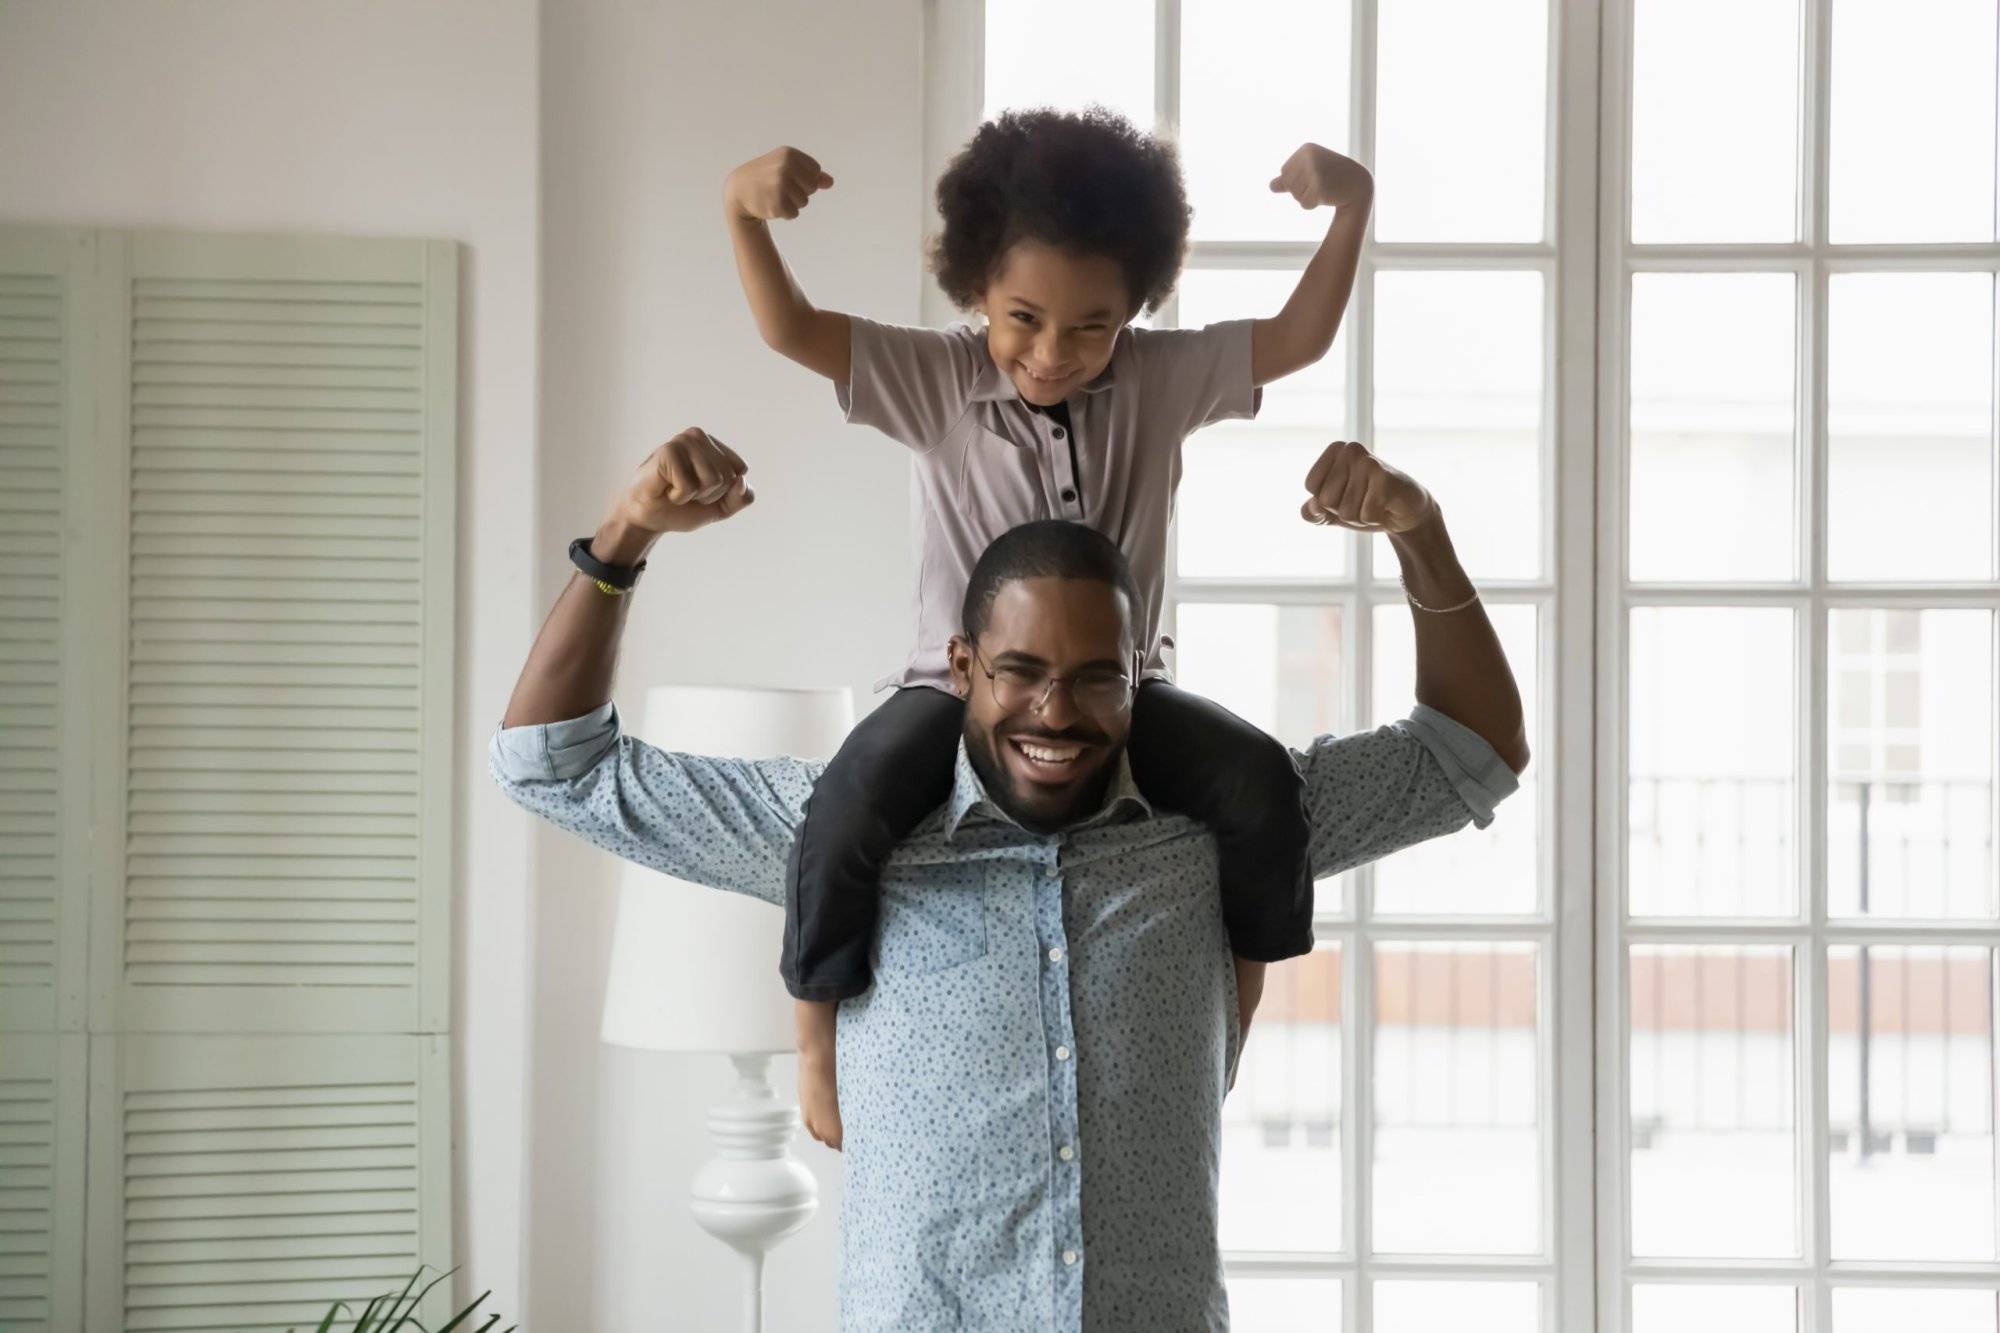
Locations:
{"points": [[689, 482], [1352, 488]]}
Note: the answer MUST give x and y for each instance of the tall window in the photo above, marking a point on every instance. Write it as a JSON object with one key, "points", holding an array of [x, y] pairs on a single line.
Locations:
{"points": [[1700, 1033], [1797, 666]]}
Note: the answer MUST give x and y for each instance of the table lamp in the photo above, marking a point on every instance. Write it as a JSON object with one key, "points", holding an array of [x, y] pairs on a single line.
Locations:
{"points": [[694, 969]]}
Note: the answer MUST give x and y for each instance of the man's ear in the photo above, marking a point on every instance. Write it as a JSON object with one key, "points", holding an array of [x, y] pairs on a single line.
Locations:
{"points": [[958, 654]]}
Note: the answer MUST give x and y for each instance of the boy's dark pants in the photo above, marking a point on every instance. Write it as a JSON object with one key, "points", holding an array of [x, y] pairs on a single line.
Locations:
{"points": [[1188, 755]]}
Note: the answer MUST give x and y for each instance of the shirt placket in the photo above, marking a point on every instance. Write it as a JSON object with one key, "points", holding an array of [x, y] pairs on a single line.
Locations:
{"points": [[1056, 448], [1065, 1158]]}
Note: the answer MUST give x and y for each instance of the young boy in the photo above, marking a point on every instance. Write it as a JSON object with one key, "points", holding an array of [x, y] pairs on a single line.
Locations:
{"points": [[1059, 229]]}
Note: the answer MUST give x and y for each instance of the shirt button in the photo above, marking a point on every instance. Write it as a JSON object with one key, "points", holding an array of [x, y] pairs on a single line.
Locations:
{"points": [[1069, 1256], [1055, 955], [1057, 432], [1066, 1152], [1069, 496], [1062, 1052]]}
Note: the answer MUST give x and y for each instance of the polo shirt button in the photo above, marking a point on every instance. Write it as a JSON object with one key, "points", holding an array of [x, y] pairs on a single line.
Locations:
{"points": [[1055, 955], [1062, 1052], [1057, 432], [1069, 496], [1069, 1256], [1066, 1152]]}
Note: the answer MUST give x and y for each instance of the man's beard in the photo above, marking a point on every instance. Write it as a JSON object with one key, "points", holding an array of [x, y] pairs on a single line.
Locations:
{"points": [[982, 748]]}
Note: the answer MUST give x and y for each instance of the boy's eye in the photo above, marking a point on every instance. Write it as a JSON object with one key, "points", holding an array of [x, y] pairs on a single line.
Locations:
{"points": [[1024, 317]]}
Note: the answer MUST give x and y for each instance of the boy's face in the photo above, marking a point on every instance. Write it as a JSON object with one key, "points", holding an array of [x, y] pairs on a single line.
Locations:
{"points": [[1052, 319]]}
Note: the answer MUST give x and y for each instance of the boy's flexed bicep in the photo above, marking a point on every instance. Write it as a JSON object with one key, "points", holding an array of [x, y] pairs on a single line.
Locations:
{"points": [[912, 384]]}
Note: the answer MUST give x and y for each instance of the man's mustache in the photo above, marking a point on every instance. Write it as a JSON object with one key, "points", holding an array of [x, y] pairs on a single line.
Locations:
{"points": [[1079, 734]]}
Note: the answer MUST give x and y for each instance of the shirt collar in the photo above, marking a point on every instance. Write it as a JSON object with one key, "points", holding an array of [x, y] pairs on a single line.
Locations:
{"points": [[994, 387], [968, 797]]}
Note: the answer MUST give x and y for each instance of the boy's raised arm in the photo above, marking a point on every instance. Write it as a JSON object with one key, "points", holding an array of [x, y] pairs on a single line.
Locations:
{"points": [[778, 185], [1301, 333]]}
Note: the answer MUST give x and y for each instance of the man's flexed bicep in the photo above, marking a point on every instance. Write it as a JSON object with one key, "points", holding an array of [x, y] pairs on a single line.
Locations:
{"points": [[725, 823]]}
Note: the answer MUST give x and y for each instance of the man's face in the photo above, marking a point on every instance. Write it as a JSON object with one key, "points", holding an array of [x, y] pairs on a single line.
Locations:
{"points": [[1049, 767], [1052, 319]]}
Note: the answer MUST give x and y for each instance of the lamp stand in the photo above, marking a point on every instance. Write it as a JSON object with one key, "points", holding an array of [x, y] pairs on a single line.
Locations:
{"points": [[753, 1193]]}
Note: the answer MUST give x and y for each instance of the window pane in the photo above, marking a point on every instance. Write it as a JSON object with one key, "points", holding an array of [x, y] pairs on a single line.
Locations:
{"points": [[1460, 121], [1105, 55], [1900, 1310], [1715, 123], [1909, 422], [1284, 1305], [1676, 1308], [1426, 1307], [1711, 801], [1248, 101], [1712, 1104], [1475, 871], [1281, 1176], [1712, 388], [1911, 152], [1910, 797], [1458, 405], [1277, 667], [1242, 482], [1911, 1040], [1457, 1071]]}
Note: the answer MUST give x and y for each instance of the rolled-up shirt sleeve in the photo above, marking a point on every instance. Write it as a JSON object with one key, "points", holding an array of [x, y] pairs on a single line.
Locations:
{"points": [[1376, 792], [725, 823]]}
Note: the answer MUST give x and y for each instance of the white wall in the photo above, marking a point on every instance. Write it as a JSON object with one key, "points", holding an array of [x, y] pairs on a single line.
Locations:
{"points": [[644, 110], [364, 117]]}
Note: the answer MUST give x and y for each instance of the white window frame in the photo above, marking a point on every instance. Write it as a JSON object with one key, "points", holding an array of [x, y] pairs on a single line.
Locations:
{"points": [[1812, 259], [1561, 928]]}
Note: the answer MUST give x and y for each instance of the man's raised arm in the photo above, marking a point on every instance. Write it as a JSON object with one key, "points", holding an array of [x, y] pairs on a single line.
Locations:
{"points": [[687, 483], [1461, 670]]}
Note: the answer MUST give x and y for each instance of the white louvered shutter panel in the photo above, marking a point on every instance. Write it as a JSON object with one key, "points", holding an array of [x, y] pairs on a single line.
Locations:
{"points": [[288, 711], [44, 754], [245, 1183]]}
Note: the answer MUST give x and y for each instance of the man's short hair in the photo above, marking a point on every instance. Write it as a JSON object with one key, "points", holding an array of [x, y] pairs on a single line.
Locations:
{"points": [[1051, 548]]}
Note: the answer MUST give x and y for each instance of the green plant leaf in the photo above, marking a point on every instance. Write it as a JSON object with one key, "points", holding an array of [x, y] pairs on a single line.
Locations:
{"points": [[466, 1314], [409, 1316], [369, 1323]]}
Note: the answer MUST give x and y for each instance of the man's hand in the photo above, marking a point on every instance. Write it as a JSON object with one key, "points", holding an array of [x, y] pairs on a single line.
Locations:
{"points": [[776, 185], [1352, 488], [689, 482], [1316, 176]]}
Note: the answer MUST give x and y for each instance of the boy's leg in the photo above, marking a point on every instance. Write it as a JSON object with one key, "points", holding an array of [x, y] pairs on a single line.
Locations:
{"points": [[1196, 757], [894, 768], [814, 1022]]}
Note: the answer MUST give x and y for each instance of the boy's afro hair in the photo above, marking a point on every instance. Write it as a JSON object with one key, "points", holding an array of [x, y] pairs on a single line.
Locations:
{"points": [[1085, 182]]}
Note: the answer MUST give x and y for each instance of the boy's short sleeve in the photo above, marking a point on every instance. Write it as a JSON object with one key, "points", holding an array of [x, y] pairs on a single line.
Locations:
{"points": [[1198, 376], [912, 384]]}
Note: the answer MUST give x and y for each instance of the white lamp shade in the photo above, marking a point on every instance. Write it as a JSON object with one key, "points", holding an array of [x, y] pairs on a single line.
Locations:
{"points": [[695, 968]]}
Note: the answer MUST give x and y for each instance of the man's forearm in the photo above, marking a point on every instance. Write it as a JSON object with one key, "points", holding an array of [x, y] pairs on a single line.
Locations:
{"points": [[1461, 670], [570, 668]]}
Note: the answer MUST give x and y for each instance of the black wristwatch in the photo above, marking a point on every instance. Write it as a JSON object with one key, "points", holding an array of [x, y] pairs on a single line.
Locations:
{"points": [[611, 578]]}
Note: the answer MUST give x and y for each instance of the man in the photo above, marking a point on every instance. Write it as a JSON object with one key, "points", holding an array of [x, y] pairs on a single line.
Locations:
{"points": [[1033, 1085]]}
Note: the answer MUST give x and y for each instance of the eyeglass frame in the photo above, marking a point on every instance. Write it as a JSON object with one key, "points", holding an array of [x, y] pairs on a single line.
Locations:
{"points": [[1048, 688]]}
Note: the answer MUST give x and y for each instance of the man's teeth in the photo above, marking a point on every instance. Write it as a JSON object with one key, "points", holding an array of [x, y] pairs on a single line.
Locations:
{"points": [[1049, 754]]}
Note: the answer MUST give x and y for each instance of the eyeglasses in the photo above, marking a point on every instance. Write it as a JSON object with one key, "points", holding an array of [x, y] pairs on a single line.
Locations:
{"points": [[1098, 691]]}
